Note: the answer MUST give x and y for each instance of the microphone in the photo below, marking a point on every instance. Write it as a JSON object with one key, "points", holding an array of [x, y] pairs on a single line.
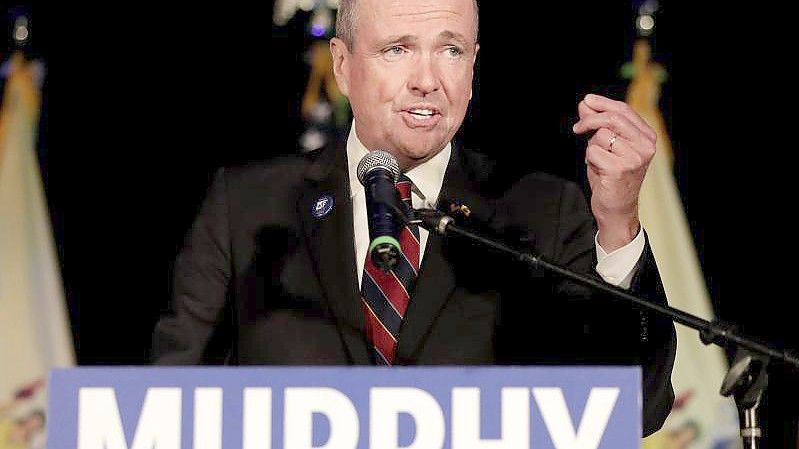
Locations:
{"points": [[378, 171]]}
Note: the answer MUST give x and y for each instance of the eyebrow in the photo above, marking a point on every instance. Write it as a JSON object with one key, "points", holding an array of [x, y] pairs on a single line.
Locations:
{"points": [[444, 35], [451, 35], [405, 38]]}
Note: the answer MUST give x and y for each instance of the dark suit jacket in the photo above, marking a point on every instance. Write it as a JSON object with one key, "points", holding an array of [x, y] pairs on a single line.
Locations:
{"points": [[261, 281]]}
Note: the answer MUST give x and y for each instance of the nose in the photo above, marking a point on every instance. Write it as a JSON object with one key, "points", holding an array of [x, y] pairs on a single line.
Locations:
{"points": [[424, 79]]}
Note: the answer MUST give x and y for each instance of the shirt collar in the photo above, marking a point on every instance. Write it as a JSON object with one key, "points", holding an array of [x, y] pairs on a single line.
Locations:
{"points": [[427, 177]]}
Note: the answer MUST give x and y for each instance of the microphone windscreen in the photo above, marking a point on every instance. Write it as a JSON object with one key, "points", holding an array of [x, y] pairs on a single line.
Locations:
{"points": [[378, 159]]}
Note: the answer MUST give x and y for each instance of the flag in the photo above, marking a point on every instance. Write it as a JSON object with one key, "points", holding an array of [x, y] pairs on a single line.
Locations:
{"points": [[700, 418], [34, 326]]}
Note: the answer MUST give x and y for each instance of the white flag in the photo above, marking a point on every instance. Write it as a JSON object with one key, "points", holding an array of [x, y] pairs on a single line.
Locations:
{"points": [[34, 327]]}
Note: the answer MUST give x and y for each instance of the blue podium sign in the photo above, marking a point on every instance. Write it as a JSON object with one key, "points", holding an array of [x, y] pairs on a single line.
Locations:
{"points": [[346, 408]]}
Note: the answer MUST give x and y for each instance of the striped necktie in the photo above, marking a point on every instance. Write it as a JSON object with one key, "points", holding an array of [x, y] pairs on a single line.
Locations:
{"points": [[385, 295]]}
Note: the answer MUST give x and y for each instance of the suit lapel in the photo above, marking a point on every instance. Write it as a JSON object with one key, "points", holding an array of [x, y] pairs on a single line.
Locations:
{"points": [[330, 240], [437, 280]]}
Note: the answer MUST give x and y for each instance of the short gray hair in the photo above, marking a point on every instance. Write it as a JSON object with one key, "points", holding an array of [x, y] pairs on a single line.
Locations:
{"points": [[347, 15]]}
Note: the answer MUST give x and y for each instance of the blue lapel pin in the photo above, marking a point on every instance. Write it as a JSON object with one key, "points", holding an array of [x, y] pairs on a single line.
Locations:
{"points": [[322, 206]]}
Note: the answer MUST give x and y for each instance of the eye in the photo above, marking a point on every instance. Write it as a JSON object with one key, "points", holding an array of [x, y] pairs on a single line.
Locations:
{"points": [[393, 52], [454, 52]]}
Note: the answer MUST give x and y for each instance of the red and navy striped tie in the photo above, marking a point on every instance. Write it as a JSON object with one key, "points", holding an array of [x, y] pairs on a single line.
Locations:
{"points": [[385, 295]]}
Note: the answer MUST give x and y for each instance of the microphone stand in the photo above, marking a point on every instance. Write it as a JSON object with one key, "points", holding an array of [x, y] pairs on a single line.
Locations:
{"points": [[747, 377]]}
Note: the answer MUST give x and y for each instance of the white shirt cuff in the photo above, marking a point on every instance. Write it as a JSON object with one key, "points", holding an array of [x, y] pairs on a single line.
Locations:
{"points": [[618, 267]]}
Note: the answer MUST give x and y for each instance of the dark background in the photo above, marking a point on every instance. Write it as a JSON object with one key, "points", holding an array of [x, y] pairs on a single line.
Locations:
{"points": [[142, 103]]}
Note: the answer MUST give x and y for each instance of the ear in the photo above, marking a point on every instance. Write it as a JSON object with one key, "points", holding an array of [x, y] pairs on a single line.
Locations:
{"points": [[341, 58]]}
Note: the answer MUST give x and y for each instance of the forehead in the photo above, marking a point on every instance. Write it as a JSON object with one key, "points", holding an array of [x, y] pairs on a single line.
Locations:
{"points": [[401, 17]]}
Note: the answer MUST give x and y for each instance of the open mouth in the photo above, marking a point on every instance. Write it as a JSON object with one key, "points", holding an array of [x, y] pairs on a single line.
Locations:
{"points": [[422, 113], [424, 117]]}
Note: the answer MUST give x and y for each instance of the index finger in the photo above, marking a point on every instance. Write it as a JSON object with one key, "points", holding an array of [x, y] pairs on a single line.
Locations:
{"points": [[602, 104], [584, 110]]}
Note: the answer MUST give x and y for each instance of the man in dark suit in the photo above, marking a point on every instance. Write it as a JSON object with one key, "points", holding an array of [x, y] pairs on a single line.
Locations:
{"points": [[275, 270]]}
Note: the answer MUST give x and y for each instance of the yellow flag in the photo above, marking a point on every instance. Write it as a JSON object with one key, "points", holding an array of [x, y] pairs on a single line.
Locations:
{"points": [[701, 418], [34, 329]]}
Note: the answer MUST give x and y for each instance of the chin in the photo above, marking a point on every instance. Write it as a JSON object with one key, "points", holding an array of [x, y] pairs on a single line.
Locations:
{"points": [[423, 148], [420, 150], [410, 159]]}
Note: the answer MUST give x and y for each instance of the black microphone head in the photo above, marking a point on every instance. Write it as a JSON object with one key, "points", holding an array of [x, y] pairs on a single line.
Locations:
{"points": [[378, 159]]}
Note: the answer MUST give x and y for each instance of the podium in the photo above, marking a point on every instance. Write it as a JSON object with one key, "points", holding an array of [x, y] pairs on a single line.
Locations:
{"points": [[345, 408]]}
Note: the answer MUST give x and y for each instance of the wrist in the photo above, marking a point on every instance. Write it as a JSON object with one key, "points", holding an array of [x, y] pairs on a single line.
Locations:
{"points": [[614, 234]]}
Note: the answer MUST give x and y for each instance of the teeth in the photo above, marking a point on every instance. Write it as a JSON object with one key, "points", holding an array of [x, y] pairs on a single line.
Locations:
{"points": [[426, 112]]}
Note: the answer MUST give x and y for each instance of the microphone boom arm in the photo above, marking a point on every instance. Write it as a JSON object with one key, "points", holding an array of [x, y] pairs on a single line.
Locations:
{"points": [[747, 378], [711, 332]]}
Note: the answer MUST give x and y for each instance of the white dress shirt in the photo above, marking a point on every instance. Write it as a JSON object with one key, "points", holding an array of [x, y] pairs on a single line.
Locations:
{"points": [[617, 268]]}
